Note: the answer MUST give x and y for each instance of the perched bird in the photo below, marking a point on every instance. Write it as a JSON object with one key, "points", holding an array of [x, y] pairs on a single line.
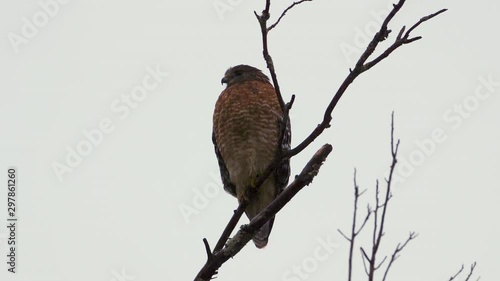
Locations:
{"points": [[246, 136]]}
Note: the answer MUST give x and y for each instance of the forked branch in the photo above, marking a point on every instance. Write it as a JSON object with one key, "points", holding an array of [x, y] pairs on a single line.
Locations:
{"points": [[467, 278], [378, 215]]}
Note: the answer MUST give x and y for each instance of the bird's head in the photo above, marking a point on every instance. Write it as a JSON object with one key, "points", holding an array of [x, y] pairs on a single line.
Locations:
{"points": [[242, 73]]}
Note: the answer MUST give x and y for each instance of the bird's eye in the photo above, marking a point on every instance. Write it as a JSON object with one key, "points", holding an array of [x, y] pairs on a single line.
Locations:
{"points": [[237, 73]]}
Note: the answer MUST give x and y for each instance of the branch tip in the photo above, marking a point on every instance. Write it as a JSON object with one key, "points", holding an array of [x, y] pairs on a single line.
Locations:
{"points": [[207, 249]]}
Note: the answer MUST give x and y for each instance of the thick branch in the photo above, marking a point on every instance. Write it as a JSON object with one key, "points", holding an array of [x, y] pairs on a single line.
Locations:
{"points": [[245, 234]]}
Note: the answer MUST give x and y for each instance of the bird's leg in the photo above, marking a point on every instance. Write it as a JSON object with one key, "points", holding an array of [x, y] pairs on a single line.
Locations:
{"points": [[250, 192]]}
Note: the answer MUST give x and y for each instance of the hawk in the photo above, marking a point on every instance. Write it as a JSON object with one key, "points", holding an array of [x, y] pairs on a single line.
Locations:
{"points": [[246, 136]]}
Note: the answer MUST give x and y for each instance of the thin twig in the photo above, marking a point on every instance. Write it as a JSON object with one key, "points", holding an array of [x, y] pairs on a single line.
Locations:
{"points": [[380, 214], [365, 259], [207, 249], [471, 272], [381, 263], [284, 13], [402, 39], [367, 217], [458, 273], [230, 226], [263, 18], [472, 267], [360, 68], [353, 229], [354, 232], [373, 256], [345, 236], [396, 252]]}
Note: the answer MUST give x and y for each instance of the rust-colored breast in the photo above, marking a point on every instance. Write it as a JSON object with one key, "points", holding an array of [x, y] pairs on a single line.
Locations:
{"points": [[246, 128]]}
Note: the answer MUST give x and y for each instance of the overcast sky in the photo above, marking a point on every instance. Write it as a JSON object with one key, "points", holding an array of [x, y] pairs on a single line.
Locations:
{"points": [[107, 114]]}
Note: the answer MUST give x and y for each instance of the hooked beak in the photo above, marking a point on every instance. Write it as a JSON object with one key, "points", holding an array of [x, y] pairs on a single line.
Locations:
{"points": [[224, 80]]}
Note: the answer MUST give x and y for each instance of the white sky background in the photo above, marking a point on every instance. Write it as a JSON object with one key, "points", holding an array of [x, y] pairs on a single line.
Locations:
{"points": [[118, 211]]}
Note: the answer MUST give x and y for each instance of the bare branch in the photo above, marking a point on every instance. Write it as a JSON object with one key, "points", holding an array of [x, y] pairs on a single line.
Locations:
{"points": [[375, 214], [365, 258], [367, 217], [353, 229], [354, 233], [360, 67], [246, 232], [380, 211], [472, 267], [362, 192], [380, 264], [471, 272], [379, 219], [394, 149], [230, 226], [263, 18], [396, 252], [402, 39], [207, 249], [345, 236], [284, 13], [458, 273], [426, 18]]}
